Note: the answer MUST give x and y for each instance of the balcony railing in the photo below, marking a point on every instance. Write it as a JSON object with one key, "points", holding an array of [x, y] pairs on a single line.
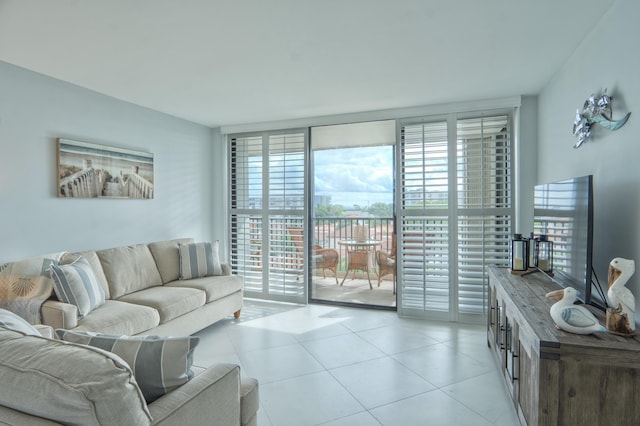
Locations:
{"points": [[285, 255], [327, 231]]}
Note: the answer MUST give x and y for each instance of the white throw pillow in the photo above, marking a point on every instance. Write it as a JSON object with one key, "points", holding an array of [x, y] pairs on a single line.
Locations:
{"points": [[199, 260], [16, 323], [159, 364], [77, 284]]}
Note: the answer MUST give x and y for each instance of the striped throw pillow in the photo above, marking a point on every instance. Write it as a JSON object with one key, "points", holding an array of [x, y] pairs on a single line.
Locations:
{"points": [[76, 283], [159, 364], [199, 260]]}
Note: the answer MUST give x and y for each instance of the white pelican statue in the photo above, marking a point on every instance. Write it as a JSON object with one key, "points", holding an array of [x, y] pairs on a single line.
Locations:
{"points": [[621, 316], [572, 318]]}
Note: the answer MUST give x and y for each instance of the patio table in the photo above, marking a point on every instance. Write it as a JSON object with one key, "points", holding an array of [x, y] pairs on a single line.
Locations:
{"points": [[358, 256]]}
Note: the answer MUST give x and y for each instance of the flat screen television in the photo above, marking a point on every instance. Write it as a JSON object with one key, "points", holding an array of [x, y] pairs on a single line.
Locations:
{"points": [[564, 212]]}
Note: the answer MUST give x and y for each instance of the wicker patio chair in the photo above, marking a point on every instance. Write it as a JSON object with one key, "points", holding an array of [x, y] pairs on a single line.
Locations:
{"points": [[321, 258], [387, 263]]}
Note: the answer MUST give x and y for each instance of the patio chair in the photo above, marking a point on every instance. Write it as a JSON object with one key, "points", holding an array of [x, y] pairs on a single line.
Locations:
{"points": [[324, 258], [387, 262]]}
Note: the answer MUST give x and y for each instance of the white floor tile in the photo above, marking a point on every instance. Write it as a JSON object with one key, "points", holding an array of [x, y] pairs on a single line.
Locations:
{"points": [[307, 400], [485, 394], [433, 408], [282, 362], [394, 339], [246, 338], [360, 419], [442, 365], [380, 381], [342, 350]]}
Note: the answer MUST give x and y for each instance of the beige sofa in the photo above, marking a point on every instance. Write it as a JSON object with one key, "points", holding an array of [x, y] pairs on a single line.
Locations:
{"points": [[50, 382], [144, 294], [47, 381]]}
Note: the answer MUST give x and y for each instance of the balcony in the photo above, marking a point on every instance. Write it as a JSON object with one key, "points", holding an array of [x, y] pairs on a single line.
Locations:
{"points": [[328, 232]]}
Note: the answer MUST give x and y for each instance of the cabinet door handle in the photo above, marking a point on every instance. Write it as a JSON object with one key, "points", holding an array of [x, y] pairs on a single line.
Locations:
{"points": [[513, 367]]}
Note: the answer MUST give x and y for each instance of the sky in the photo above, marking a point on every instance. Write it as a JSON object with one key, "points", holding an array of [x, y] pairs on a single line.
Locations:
{"points": [[355, 176]]}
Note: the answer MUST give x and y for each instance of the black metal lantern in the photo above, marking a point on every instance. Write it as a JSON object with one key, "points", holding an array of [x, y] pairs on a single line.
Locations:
{"points": [[533, 241], [544, 254], [519, 253]]}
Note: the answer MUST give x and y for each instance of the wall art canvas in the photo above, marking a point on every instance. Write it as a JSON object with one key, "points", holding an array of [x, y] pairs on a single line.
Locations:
{"points": [[89, 170]]}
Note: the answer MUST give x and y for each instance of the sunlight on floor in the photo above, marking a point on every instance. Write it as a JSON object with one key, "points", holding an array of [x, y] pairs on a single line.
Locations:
{"points": [[297, 320]]}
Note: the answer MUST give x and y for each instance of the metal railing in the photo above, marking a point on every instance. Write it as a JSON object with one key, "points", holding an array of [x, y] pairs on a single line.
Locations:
{"points": [[327, 231]]}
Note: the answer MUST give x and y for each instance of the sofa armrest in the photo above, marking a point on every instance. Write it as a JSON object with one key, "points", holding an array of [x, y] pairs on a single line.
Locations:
{"points": [[212, 397], [59, 314], [44, 330], [249, 401]]}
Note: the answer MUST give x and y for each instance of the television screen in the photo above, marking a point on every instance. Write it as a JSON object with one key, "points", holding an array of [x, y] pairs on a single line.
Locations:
{"points": [[564, 212]]}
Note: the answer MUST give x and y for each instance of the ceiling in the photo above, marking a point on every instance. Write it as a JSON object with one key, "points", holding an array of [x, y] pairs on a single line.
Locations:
{"points": [[226, 62]]}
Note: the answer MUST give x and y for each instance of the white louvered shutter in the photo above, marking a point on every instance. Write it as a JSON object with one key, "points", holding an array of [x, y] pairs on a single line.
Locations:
{"points": [[455, 212], [484, 205], [267, 197]]}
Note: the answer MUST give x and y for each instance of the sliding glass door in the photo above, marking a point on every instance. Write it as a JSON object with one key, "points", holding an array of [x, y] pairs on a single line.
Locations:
{"points": [[352, 213], [321, 206]]}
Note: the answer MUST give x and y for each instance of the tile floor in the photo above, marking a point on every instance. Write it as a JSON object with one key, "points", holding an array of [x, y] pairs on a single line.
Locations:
{"points": [[331, 366]]}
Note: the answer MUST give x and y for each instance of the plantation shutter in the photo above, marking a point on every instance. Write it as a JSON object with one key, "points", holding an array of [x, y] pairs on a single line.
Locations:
{"points": [[423, 217], [484, 210], [267, 201], [455, 213]]}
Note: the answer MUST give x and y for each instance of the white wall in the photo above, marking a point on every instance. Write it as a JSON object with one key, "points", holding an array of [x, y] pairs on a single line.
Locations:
{"points": [[526, 157], [35, 110], [607, 58]]}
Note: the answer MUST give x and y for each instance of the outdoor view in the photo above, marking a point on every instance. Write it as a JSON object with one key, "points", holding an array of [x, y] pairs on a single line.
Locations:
{"points": [[353, 224], [354, 182]]}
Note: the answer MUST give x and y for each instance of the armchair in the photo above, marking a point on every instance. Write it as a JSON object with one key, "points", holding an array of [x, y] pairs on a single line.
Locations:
{"points": [[324, 258], [387, 262]]}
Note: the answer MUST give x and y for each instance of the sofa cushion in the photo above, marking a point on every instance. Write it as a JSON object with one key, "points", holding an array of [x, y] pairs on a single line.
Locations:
{"points": [[16, 323], [83, 385], [159, 364], [116, 317], [199, 260], [167, 257], [94, 261], [129, 269], [170, 302], [214, 287], [76, 284]]}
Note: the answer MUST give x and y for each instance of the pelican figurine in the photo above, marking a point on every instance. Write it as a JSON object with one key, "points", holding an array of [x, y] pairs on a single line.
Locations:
{"points": [[572, 318], [621, 317]]}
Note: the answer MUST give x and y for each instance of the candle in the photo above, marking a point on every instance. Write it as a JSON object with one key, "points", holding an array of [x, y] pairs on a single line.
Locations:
{"points": [[543, 264], [518, 264]]}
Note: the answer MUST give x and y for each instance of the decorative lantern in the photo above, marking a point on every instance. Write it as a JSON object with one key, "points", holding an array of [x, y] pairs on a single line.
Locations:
{"points": [[544, 254], [519, 253], [533, 242]]}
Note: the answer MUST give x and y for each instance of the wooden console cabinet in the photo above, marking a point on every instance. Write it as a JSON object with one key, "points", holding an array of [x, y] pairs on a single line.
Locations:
{"points": [[555, 377]]}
